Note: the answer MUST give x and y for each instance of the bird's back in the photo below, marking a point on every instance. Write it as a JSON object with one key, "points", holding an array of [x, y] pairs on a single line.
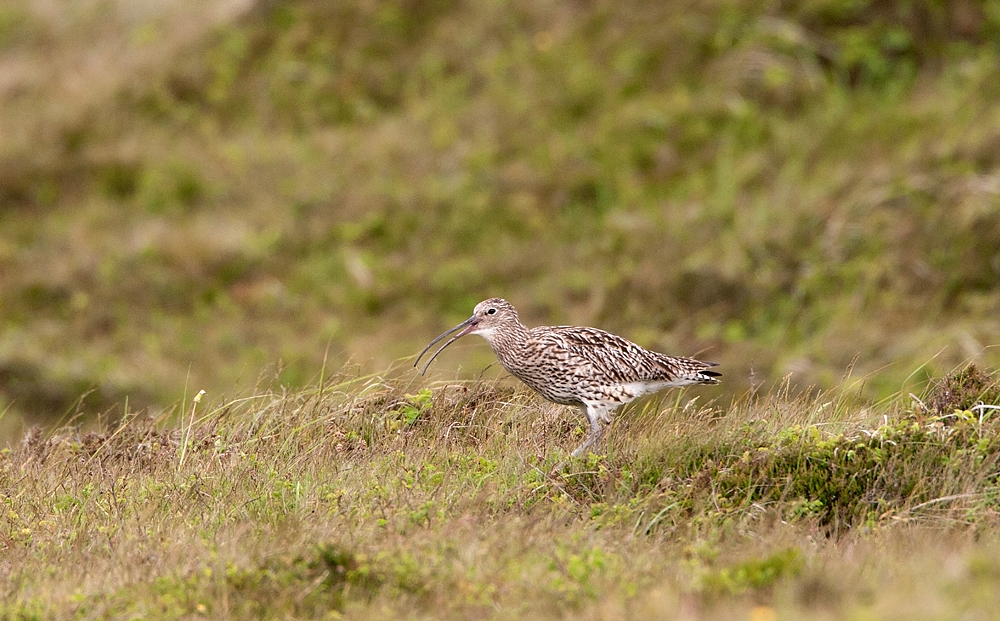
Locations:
{"points": [[569, 364]]}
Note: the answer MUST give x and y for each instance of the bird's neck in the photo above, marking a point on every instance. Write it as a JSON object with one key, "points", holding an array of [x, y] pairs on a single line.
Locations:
{"points": [[507, 340]]}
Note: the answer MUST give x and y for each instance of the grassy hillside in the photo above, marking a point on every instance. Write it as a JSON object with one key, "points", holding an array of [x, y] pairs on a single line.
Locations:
{"points": [[196, 194], [239, 196], [234, 196], [372, 498]]}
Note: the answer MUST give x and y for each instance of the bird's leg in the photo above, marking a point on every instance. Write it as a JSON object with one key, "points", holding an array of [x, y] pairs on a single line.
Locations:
{"points": [[595, 430]]}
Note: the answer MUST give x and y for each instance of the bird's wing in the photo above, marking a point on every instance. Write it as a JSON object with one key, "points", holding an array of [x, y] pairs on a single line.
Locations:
{"points": [[606, 357]]}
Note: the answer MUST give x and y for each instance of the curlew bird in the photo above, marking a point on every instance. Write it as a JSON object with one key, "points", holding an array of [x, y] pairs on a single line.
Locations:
{"points": [[586, 367]]}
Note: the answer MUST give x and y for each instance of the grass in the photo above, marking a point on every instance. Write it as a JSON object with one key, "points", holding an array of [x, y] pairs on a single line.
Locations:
{"points": [[789, 188], [367, 497], [198, 195]]}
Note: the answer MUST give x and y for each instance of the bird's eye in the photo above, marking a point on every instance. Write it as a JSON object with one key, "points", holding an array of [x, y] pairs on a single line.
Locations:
{"points": [[492, 311]]}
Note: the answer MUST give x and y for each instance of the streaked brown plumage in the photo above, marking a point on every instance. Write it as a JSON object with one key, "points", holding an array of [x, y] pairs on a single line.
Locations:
{"points": [[586, 367]]}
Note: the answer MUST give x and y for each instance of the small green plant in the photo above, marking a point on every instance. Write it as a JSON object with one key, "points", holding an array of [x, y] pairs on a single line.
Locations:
{"points": [[577, 572], [414, 407], [753, 574]]}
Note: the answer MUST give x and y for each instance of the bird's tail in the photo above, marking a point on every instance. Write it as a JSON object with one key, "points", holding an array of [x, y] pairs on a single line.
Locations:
{"points": [[708, 377], [705, 376], [690, 371]]}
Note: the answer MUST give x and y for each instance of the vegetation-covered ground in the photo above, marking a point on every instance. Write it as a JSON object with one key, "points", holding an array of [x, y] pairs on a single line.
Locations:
{"points": [[225, 195], [367, 498], [195, 193]]}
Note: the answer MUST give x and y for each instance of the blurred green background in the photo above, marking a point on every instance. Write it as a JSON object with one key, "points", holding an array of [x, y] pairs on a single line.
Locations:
{"points": [[211, 194]]}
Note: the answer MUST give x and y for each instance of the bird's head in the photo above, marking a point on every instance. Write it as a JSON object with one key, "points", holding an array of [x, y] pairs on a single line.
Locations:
{"points": [[488, 317], [491, 315]]}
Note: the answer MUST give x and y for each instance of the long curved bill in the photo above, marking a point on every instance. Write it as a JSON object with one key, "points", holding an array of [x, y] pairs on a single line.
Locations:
{"points": [[469, 325]]}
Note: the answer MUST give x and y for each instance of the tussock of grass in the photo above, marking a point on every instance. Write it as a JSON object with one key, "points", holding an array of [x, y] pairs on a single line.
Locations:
{"points": [[963, 390], [372, 497]]}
